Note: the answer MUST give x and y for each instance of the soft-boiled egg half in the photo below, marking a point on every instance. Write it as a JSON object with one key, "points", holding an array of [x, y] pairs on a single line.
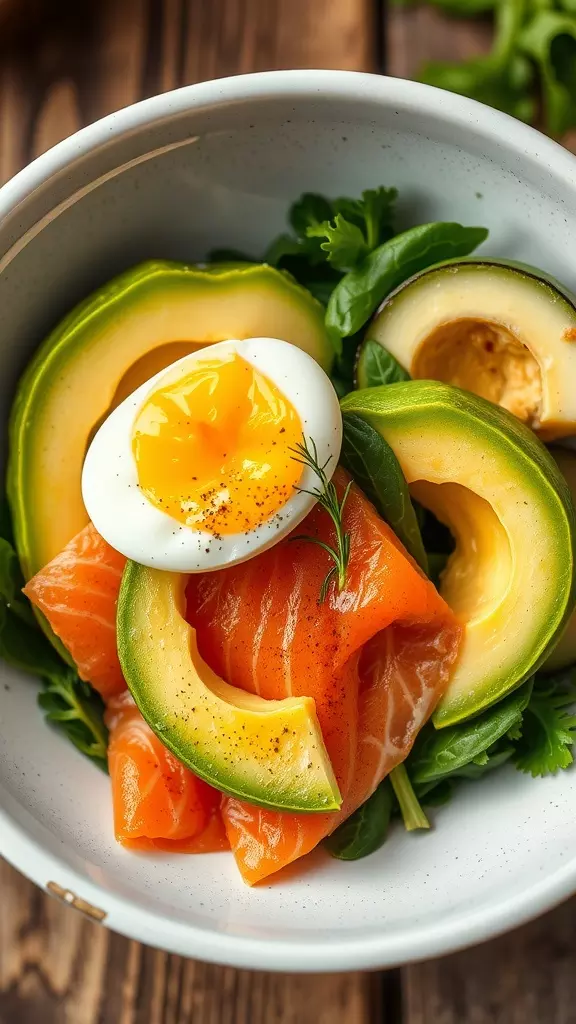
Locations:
{"points": [[196, 469]]}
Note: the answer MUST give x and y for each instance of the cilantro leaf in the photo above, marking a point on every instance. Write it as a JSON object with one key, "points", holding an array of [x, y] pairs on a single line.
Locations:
{"points": [[548, 728], [345, 244], [68, 702], [373, 213], [77, 710]]}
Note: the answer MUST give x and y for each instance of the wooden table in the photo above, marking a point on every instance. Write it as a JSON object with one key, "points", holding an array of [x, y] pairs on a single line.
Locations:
{"points": [[58, 71]]}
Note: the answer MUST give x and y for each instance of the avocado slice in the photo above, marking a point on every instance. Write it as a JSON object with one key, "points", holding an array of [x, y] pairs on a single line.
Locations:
{"points": [[511, 577], [564, 653], [501, 330], [110, 344], [270, 752]]}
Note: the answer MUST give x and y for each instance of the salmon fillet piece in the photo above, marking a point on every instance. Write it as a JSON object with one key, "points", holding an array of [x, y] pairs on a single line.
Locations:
{"points": [[376, 657], [77, 593], [158, 803]]}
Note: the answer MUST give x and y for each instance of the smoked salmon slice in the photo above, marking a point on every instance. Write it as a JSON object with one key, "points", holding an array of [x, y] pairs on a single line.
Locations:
{"points": [[376, 657], [77, 593], [158, 803]]}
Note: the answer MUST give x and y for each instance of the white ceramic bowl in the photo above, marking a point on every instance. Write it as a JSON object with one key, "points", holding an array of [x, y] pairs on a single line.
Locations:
{"points": [[218, 164]]}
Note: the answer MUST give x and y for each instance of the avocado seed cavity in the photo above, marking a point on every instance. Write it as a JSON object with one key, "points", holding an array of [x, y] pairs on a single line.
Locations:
{"points": [[486, 358]]}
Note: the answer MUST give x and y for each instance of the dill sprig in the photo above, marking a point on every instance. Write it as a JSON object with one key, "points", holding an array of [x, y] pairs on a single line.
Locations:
{"points": [[327, 497]]}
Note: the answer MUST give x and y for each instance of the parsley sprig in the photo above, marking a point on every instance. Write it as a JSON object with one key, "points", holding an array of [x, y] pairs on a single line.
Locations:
{"points": [[327, 497], [548, 727]]}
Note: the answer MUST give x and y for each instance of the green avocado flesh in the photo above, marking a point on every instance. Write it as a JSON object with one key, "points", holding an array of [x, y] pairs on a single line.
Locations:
{"points": [[267, 752], [511, 578], [564, 653], [501, 330], [110, 344]]}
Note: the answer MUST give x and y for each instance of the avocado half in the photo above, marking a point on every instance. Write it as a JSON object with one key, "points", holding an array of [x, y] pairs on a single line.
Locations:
{"points": [[270, 752], [511, 577], [110, 344], [564, 652], [500, 330]]}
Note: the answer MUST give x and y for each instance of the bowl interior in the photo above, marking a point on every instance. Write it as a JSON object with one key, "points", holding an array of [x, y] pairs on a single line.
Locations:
{"points": [[201, 174]]}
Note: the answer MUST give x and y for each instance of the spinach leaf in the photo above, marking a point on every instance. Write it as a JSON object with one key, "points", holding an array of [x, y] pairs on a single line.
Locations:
{"points": [[361, 291], [376, 366], [365, 830], [376, 470], [495, 758], [437, 755]]}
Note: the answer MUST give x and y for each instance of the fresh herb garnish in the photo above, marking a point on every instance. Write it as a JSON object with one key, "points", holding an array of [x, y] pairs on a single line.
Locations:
{"points": [[68, 702], [77, 710], [548, 726], [327, 497]]}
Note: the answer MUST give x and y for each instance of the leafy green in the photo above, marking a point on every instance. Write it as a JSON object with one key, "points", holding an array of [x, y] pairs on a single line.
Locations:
{"points": [[437, 561], [356, 226], [534, 50], [11, 583], [504, 78], [345, 244], [360, 291], [412, 813], [439, 754], [376, 366], [25, 647], [365, 830], [376, 470], [330, 236], [77, 711], [549, 727], [549, 39], [68, 702], [505, 87], [309, 211]]}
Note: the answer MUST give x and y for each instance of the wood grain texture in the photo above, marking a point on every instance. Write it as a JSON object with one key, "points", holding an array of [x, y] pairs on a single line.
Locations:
{"points": [[414, 35], [60, 72], [526, 977], [62, 65], [56, 967]]}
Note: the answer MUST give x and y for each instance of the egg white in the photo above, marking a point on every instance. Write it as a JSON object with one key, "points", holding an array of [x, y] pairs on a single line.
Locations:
{"points": [[131, 524]]}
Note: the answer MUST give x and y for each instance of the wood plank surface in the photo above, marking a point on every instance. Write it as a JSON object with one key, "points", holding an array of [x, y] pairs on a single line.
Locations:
{"points": [[62, 65]]}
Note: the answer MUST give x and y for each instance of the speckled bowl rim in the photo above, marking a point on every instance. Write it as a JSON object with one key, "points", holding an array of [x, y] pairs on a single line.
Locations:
{"points": [[17, 845]]}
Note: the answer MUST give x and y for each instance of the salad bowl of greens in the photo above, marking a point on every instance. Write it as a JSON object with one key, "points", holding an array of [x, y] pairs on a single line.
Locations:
{"points": [[432, 237]]}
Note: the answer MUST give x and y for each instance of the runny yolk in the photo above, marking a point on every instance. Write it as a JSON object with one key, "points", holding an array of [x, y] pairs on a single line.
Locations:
{"points": [[212, 448]]}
